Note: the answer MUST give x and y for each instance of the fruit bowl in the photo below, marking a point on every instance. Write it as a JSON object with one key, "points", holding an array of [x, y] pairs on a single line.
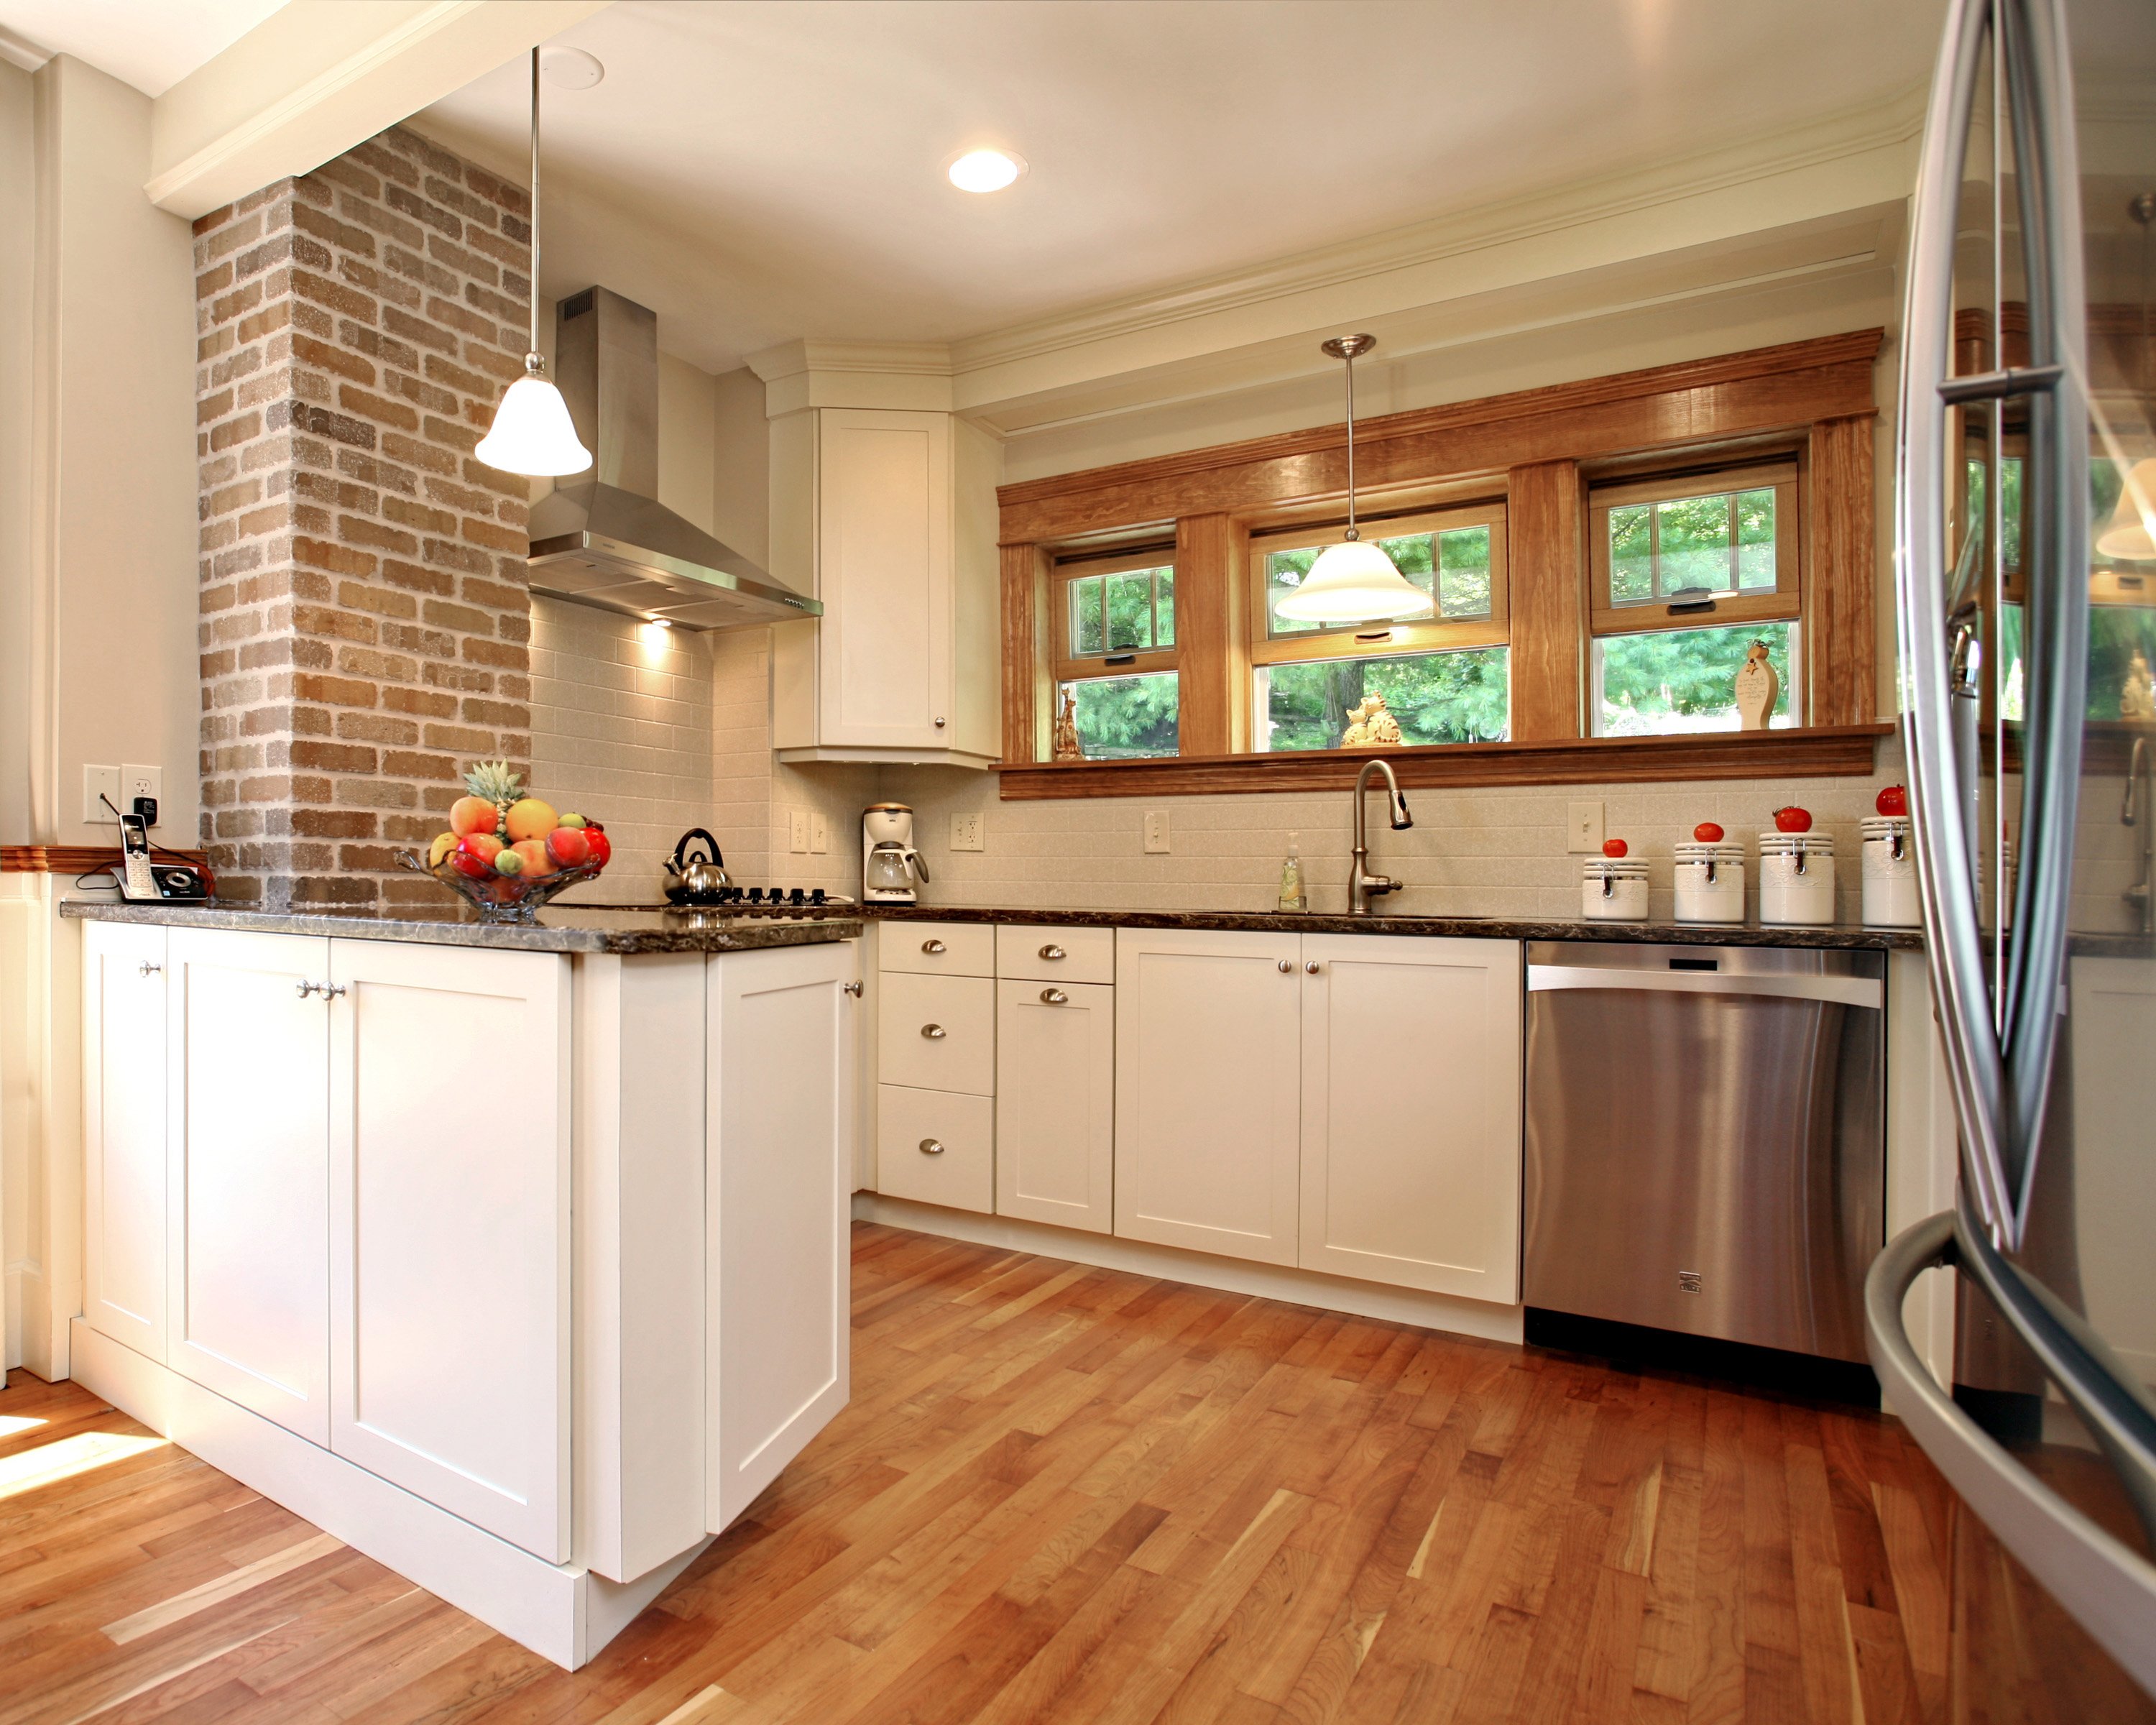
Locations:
{"points": [[501, 898]]}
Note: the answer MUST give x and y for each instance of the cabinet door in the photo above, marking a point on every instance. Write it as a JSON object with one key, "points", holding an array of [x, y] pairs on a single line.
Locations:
{"points": [[1207, 1045], [123, 1133], [883, 570], [248, 1171], [1055, 1103], [777, 1181], [1411, 1113], [449, 1230]]}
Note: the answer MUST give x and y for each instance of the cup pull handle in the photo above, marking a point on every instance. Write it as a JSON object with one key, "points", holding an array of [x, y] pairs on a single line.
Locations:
{"points": [[931, 1147], [1054, 997], [932, 947], [1053, 952], [934, 1033]]}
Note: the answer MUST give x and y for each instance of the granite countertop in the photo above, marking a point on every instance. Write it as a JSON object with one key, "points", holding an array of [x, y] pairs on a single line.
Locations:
{"points": [[561, 928], [1506, 928]]}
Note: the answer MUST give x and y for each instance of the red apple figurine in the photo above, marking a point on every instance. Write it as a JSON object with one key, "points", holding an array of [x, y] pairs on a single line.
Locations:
{"points": [[1707, 833], [1614, 847], [1894, 800], [1793, 819]]}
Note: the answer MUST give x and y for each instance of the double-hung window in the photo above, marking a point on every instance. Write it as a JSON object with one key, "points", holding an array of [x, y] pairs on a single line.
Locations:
{"points": [[1445, 676], [1685, 575], [1116, 652]]}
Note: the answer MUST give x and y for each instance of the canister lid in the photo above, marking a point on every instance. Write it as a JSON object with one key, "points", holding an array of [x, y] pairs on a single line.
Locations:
{"points": [[1593, 868], [1884, 826], [1789, 844], [1721, 850]]}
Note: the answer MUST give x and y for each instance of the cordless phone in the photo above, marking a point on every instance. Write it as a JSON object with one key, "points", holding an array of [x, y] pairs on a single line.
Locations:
{"points": [[136, 881]]}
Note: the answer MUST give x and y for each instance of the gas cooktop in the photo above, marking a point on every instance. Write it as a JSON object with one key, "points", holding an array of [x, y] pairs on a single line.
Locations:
{"points": [[761, 898]]}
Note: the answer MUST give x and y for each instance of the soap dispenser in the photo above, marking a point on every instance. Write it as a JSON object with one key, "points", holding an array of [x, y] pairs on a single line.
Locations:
{"points": [[1291, 895]]}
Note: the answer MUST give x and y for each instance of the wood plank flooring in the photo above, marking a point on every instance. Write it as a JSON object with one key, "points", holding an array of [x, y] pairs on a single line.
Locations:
{"points": [[1063, 1494]]}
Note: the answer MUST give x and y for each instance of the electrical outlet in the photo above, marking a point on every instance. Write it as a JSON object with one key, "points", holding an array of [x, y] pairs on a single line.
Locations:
{"points": [[966, 832], [1156, 831], [797, 824], [97, 782], [819, 833], [141, 782], [1583, 826]]}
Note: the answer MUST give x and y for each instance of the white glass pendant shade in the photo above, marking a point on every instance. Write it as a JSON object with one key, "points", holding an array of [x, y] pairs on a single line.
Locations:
{"points": [[532, 432], [1353, 582], [2131, 531]]}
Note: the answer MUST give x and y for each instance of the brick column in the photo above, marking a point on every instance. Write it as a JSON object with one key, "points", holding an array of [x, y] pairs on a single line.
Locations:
{"points": [[366, 624]]}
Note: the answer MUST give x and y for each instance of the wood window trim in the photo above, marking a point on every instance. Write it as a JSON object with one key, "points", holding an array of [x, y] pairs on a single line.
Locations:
{"points": [[1541, 448]]}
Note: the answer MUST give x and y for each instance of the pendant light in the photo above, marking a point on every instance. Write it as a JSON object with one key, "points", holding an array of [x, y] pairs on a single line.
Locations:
{"points": [[2131, 531], [1354, 581], [532, 432]]}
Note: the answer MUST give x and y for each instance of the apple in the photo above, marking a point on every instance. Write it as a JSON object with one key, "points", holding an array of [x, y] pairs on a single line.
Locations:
{"points": [[473, 814], [508, 861], [1893, 800], [444, 843], [572, 819], [529, 818], [1614, 847], [537, 864], [600, 846], [474, 855], [1793, 819], [1707, 833], [568, 846]]}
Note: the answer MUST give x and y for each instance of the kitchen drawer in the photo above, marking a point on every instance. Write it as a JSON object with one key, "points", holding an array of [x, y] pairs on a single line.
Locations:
{"points": [[940, 948], [958, 1168], [1056, 955], [938, 1032]]}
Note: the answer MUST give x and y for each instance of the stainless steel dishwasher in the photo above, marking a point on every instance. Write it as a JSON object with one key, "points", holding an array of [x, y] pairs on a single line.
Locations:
{"points": [[1706, 1138]]}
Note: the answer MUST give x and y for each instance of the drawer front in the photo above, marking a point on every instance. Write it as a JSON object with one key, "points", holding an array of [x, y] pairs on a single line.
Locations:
{"points": [[1056, 955], [937, 1147], [937, 1033], [939, 948]]}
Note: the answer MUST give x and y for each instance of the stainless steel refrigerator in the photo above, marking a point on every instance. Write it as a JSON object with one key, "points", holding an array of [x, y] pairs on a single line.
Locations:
{"points": [[2025, 548]]}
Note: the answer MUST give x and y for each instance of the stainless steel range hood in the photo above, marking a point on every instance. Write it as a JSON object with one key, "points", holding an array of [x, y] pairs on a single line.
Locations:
{"points": [[604, 539]]}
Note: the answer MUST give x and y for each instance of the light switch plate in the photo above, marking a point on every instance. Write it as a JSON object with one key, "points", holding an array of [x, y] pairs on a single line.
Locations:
{"points": [[797, 824], [966, 832], [819, 833], [1583, 826], [98, 781], [1156, 831], [141, 781]]}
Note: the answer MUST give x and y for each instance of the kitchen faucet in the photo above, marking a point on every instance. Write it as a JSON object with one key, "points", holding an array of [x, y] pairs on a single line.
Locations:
{"points": [[2133, 811], [1363, 885]]}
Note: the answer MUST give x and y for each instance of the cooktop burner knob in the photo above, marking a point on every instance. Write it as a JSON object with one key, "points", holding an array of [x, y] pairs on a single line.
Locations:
{"points": [[816, 895], [755, 895], [796, 897]]}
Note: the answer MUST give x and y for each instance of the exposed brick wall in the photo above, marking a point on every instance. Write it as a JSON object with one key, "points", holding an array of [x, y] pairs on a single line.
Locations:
{"points": [[366, 624]]}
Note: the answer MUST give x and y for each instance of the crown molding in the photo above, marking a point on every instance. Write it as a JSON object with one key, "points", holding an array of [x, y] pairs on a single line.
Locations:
{"points": [[21, 51], [900, 359]]}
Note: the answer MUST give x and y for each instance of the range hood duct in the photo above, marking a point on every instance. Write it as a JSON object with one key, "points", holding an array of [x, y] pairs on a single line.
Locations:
{"points": [[604, 539]]}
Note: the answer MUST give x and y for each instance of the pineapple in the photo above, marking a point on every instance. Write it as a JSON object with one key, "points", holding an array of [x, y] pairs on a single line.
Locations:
{"points": [[494, 781]]}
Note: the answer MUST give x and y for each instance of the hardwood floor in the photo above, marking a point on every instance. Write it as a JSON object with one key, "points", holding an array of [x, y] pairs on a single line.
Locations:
{"points": [[1063, 1494]]}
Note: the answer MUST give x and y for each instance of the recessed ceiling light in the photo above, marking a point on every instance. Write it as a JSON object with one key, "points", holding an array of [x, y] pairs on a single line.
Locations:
{"points": [[986, 170]]}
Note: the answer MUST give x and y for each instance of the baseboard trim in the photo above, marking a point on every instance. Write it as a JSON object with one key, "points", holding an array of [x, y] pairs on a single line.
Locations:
{"points": [[1234, 1275], [560, 1612]]}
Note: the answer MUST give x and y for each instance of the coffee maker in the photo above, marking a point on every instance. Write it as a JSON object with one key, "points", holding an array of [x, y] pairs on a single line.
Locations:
{"points": [[890, 866]]}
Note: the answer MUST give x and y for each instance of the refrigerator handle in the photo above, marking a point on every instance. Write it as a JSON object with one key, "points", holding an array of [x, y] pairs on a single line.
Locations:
{"points": [[2107, 1587], [2054, 563], [1934, 666]]}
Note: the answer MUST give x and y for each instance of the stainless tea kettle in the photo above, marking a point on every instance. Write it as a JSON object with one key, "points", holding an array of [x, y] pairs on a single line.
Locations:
{"points": [[697, 880]]}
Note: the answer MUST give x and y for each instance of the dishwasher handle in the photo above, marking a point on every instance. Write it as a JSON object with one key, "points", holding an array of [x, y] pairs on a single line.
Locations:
{"points": [[1798, 985]]}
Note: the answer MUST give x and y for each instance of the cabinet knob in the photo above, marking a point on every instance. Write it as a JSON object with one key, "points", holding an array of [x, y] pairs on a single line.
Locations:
{"points": [[1054, 997], [853, 988], [1311, 966], [931, 1146], [330, 990], [307, 988], [1285, 966], [932, 947], [934, 1033], [149, 969], [1053, 952], [939, 724]]}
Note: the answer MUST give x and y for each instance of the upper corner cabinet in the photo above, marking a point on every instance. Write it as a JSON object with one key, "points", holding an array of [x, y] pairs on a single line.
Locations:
{"points": [[888, 515]]}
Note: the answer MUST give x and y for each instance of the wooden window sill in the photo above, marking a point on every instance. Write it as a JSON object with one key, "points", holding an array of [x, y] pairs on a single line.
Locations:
{"points": [[1833, 751]]}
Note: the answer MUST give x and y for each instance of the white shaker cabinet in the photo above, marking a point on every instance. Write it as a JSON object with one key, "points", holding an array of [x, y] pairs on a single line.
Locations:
{"points": [[780, 1116], [1207, 1057], [123, 1133], [449, 1230], [1055, 1103], [1411, 1111], [247, 1181]]}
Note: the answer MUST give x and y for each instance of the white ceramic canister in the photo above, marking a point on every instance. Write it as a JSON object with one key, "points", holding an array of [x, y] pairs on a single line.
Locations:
{"points": [[1710, 882], [1890, 873], [1796, 880], [1614, 890]]}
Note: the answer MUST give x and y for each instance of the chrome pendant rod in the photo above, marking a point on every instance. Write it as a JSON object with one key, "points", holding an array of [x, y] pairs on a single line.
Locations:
{"points": [[1345, 348], [534, 348]]}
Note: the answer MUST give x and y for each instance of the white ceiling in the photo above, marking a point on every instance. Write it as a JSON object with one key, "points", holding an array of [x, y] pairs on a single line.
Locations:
{"points": [[764, 169], [151, 47]]}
